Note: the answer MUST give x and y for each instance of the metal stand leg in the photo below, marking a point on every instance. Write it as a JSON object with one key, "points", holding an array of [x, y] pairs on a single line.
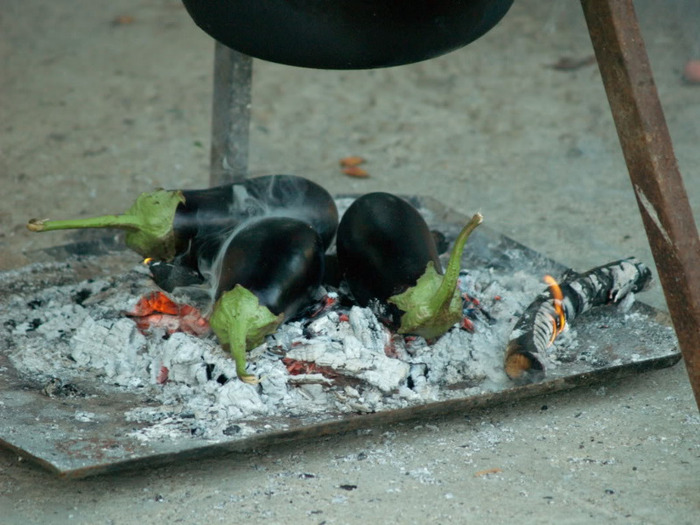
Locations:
{"points": [[230, 115], [652, 167]]}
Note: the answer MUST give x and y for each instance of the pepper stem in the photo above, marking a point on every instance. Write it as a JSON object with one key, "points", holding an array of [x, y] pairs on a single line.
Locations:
{"points": [[148, 224], [434, 304]]}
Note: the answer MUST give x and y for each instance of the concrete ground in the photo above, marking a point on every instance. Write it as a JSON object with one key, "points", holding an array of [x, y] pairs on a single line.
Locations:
{"points": [[102, 100]]}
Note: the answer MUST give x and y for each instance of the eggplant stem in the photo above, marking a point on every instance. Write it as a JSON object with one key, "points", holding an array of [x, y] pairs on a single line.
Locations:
{"points": [[124, 222], [237, 346], [148, 223], [443, 295], [241, 322], [432, 306]]}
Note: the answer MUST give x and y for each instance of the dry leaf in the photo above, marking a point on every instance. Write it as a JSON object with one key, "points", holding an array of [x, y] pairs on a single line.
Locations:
{"points": [[122, 20], [355, 171], [487, 471], [352, 161]]}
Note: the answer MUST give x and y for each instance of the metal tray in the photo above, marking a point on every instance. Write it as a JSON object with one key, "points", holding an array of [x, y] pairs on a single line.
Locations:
{"points": [[44, 428]]}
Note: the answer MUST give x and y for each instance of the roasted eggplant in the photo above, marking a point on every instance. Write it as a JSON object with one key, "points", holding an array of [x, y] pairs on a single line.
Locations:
{"points": [[384, 246], [387, 252], [187, 227], [270, 269]]}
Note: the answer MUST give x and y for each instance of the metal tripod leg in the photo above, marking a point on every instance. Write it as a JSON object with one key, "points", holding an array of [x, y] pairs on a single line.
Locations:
{"points": [[653, 170], [233, 73]]}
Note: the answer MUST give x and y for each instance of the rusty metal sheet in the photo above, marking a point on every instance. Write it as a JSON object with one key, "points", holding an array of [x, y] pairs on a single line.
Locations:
{"points": [[43, 422]]}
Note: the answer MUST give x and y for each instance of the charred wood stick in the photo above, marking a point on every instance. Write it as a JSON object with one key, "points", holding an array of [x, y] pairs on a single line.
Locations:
{"points": [[547, 316]]}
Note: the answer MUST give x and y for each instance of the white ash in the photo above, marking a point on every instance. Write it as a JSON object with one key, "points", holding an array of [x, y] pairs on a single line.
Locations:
{"points": [[189, 386], [85, 417], [355, 348]]}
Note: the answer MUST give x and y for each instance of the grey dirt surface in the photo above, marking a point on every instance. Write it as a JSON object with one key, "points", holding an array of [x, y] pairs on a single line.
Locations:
{"points": [[100, 101]]}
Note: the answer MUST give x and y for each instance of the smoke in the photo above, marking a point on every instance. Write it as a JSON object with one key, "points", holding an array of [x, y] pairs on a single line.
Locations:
{"points": [[215, 216]]}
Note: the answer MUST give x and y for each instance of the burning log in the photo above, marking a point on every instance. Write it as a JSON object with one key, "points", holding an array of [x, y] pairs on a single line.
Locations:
{"points": [[549, 314]]}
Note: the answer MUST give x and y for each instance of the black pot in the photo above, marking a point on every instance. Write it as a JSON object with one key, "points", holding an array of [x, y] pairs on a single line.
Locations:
{"points": [[346, 34]]}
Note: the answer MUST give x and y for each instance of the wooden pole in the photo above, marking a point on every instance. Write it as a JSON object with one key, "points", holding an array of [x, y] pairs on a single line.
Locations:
{"points": [[653, 169]]}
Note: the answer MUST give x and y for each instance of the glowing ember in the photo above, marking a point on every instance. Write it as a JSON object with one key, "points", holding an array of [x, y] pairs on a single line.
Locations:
{"points": [[328, 301], [157, 310], [296, 367], [162, 376], [467, 325]]}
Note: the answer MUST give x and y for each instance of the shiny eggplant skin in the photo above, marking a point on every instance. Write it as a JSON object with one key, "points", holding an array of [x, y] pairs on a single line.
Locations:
{"points": [[279, 259], [384, 246], [180, 233], [208, 216]]}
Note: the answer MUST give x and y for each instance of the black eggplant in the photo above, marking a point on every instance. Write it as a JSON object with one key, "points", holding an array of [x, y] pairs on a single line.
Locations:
{"points": [[270, 269], [169, 275], [387, 252], [208, 216], [188, 226]]}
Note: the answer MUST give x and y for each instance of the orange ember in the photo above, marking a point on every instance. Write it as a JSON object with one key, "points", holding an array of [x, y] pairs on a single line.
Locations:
{"points": [[559, 322], [155, 302], [157, 310], [467, 325]]}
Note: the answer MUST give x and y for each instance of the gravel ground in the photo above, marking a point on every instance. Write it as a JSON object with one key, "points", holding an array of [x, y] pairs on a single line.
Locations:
{"points": [[103, 100]]}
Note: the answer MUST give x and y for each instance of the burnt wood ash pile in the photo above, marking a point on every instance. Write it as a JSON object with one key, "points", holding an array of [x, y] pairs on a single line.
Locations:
{"points": [[342, 360]]}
